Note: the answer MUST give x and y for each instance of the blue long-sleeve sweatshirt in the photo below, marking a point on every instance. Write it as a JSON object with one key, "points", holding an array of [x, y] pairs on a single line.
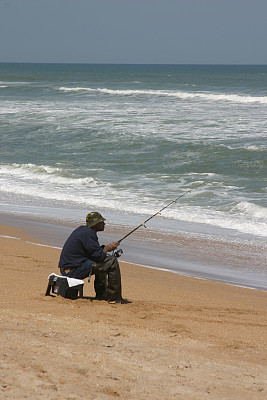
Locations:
{"points": [[81, 245]]}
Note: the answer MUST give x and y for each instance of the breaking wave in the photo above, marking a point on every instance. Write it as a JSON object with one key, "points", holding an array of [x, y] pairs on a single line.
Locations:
{"points": [[176, 94], [251, 210]]}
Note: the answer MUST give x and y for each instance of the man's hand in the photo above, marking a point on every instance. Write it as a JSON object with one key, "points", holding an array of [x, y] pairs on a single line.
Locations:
{"points": [[111, 246]]}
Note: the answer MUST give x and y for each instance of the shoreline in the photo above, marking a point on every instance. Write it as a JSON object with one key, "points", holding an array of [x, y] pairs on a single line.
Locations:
{"points": [[179, 337], [215, 260], [128, 262]]}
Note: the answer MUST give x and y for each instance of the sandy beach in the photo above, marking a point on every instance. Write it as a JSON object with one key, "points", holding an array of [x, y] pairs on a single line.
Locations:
{"points": [[179, 338]]}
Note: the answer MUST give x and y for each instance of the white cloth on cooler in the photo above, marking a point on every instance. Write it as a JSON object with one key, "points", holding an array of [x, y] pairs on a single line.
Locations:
{"points": [[71, 281]]}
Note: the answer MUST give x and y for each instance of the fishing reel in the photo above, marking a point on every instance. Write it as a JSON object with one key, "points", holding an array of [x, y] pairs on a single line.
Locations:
{"points": [[117, 253]]}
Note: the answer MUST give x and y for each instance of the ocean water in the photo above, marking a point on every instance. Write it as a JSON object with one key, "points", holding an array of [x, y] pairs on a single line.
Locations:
{"points": [[128, 139]]}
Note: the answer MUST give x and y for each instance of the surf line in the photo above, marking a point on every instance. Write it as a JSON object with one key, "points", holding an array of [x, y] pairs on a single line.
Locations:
{"points": [[141, 265], [27, 241]]}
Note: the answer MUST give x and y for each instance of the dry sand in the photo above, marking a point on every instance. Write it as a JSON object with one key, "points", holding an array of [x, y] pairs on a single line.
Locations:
{"points": [[180, 338]]}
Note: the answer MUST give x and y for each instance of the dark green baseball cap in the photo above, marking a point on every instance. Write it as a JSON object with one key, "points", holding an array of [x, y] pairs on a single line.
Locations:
{"points": [[93, 218]]}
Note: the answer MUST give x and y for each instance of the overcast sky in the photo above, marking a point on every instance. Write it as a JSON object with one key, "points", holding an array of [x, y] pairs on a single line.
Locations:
{"points": [[134, 31]]}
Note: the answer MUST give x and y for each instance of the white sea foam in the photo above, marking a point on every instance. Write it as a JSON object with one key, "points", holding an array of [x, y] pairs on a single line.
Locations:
{"points": [[239, 222], [244, 147], [44, 182], [42, 173], [252, 210], [177, 94], [16, 82], [254, 148]]}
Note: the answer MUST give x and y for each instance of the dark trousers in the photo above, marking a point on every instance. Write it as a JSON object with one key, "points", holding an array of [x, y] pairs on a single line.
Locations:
{"points": [[107, 277]]}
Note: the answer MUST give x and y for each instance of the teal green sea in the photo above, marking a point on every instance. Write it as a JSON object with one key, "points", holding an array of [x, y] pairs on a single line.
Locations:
{"points": [[129, 138]]}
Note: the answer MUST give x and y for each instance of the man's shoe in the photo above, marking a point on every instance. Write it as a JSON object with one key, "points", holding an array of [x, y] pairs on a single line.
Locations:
{"points": [[119, 301]]}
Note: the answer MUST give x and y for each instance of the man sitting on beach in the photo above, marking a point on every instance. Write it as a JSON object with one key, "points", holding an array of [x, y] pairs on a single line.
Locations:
{"points": [[82, 256]]}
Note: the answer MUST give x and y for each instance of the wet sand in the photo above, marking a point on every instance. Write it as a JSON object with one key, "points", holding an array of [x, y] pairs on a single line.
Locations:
{"points": [[179, 338]]}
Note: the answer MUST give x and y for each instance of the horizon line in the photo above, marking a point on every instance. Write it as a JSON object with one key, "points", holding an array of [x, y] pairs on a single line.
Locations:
{"points": [[118, 63]]}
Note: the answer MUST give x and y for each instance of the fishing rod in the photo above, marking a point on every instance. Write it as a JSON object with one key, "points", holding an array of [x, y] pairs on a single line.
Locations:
{"points": [[158, 212]]}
